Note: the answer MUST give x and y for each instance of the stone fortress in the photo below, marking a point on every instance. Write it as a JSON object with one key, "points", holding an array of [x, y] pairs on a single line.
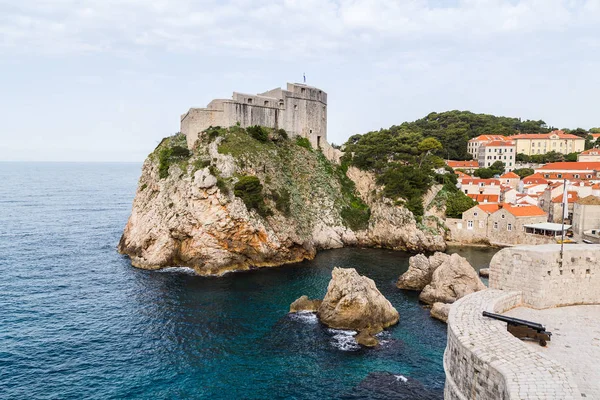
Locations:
{"points": [[484, 361], [301, 110]]}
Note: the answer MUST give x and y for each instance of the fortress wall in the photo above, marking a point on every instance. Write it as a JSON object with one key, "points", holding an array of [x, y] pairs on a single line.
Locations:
{"points": [[301, 110], [249, 115], [484, 361], [536, 271], [197, 120]]}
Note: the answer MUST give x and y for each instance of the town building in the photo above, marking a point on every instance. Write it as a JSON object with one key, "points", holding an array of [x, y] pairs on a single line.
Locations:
{"points": [[474, 144], [497, 150], [542, 143], [301, 110], [468, 166], [590, 155], [510, 179], [586, 215], [558, 171], [499, 224], [481, 190]]}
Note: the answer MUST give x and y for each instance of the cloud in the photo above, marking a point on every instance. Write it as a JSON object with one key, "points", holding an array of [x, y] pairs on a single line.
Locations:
{"points": [[293, 27]]}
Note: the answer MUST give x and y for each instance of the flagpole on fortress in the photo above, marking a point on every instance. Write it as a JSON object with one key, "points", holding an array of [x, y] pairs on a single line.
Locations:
{"points": [[564, 207]]}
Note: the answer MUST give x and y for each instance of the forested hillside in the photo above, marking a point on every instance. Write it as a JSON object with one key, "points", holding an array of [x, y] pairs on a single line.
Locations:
{"points": [[454, 129]]}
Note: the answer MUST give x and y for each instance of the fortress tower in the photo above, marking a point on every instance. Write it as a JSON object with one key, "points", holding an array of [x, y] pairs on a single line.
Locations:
{"points": [[301, 110]]}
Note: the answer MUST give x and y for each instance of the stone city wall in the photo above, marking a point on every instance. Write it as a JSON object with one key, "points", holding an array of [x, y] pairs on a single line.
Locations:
{"points": [[536, 271], [484, 361]]}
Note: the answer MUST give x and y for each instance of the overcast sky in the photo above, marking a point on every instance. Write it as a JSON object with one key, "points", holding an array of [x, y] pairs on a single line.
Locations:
{"points": [[105, 80]]}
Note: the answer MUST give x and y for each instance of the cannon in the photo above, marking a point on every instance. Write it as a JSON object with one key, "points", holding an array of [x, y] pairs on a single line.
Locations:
{"points": [[522, 329]]}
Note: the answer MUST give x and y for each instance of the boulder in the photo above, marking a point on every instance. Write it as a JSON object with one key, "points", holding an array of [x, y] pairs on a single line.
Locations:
{"points": [[420, 271], [305, 304], [484, 272], [354, 302], [204, 179], [440, 311], [453, 279], [366, 338]]}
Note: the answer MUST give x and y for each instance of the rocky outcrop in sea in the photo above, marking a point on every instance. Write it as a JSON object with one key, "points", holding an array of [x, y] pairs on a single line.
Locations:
{"points": [[352, 302], [442, 279], [236, 203]]}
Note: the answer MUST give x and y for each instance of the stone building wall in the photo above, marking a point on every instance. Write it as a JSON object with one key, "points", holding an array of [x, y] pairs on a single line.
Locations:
{"points": [[484, 361], [536, 271], [301, 110], [585, 217]]}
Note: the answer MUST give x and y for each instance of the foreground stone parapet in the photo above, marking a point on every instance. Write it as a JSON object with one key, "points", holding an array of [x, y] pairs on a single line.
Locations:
{"points": [[537, 271], [484, 361]]}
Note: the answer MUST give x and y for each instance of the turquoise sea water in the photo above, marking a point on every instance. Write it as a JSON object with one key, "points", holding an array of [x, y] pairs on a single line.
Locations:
{"points": [[77, 321]]}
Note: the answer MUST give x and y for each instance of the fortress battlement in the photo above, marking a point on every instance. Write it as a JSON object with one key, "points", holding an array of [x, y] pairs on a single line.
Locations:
{"points": [[300, 109]]}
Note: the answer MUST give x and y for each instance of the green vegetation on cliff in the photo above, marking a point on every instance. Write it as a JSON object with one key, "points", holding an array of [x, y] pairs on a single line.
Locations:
{"points": [[290, 175], [403, 164], [171, 150]]}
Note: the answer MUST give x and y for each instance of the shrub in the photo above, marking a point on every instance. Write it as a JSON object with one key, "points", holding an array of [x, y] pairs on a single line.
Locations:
{"points": [[144, 186], [213, 132], [282, 133], [258, 132], [201, 164], [303, 142], [223, 186], [356, 215], [249, 189], [167, 155]]}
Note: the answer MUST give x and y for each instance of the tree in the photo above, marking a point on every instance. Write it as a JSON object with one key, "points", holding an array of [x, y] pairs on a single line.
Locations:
{"points": [[571, 157], [595, 130], [484, 173], [589, 142], [426, 146], [498, 168], [553, 156], [521, 157], [524, 172]]}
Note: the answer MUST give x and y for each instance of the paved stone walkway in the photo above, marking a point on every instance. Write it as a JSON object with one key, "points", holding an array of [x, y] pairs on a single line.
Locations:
{"points": [[575, 341]]}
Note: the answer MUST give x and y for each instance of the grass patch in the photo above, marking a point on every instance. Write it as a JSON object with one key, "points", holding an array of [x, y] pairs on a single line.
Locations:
{"points": [[303, 142]]}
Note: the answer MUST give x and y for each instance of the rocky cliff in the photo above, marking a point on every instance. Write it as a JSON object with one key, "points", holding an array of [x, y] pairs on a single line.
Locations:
{"points": [[243, 199]]}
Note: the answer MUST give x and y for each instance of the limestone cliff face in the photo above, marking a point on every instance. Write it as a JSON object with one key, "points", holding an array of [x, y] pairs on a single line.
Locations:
{"points": [[186, 213]]}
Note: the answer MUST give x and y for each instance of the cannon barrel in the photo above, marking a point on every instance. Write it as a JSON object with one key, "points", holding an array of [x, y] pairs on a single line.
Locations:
{"points": [[510, 320]]}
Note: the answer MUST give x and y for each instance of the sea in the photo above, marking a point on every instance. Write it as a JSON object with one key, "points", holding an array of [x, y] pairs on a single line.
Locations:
{"points": [[77, 321]]}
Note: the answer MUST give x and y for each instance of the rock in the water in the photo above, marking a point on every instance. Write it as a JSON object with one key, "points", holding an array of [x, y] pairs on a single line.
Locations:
{"points": [[305, 304], [453, 279], [484, 272], [420, 271], [440, 311], [354, 302], [365, 338]]}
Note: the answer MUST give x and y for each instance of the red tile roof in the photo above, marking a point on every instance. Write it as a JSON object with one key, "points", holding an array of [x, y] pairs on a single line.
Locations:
{"points": [[571, 197], [510, 175], [477, 181], [595, 135], [590, 152], [488, 138], [462, 164], [560, 134], [488, 208], [524, 211], [485, 198], [572, 165], [536, 178], [461, 174]]}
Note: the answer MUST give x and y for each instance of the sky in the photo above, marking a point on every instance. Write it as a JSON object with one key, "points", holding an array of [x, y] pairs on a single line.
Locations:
{"points": [[105, 80]]}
